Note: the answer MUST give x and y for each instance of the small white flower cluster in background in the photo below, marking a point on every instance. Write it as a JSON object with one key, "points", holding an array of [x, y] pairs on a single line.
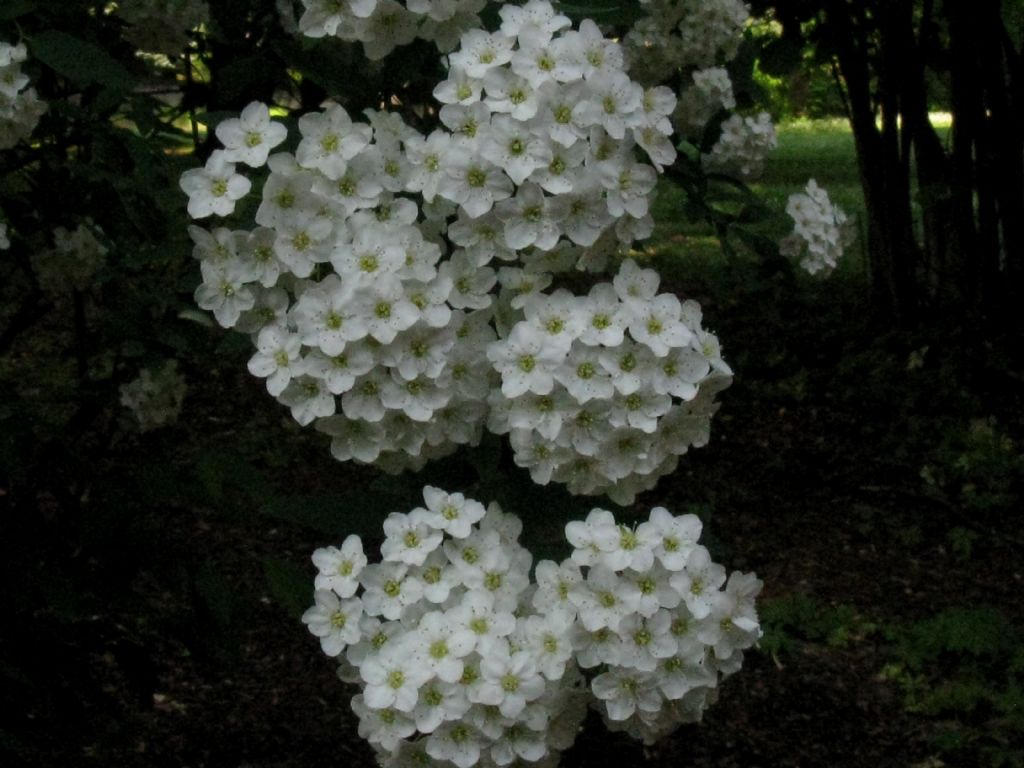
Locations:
{"points": [[155, 396], [696, 37], [461, 660], [73, 261], [5, 242], [456, 664], [821, 231], [743, 146], [370, 284], [383, 25], [162, 26], [656, 618], [605, 392], [710, 93], [20, 108], [682, 34]]}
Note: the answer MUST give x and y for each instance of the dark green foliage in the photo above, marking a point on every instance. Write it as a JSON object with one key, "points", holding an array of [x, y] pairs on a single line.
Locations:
{"points": [[963, 671], [789, 620]]}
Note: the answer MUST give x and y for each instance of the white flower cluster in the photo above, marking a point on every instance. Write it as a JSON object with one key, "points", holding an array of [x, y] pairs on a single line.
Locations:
{"points": [[711, 92], [155, 396], [605, 392], [695, 38], [73, 261], [821, 231], [456, 663], [162, 26], [20, 108], [677, 34], [462, 660], [383, 25], [743, 146], [656, 618], [368, 284]]}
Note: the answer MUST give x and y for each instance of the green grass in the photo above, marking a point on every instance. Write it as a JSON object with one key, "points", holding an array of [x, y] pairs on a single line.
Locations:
{"points": [[818, 149]]}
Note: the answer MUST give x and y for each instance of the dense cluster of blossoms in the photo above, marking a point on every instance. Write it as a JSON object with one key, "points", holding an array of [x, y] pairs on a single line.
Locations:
{"points": [[656, 618], [162, 26], [695, 38], [155, 396], [605, 392], [457, 662], [462, 660], [821, 231], [70, 265], [20, 108], [383, 25], [744, 146], [684, 34], [373, 285]]}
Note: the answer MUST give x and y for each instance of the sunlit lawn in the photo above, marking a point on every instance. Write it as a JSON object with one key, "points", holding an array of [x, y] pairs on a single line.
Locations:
{"points": [[818, 149], [822, 150]]}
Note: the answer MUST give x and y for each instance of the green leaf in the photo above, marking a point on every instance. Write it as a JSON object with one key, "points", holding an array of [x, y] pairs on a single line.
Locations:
{"points": [[359, 512], [12, 9], [228, 481], [290, 585], [80, 61], [621, 14]]}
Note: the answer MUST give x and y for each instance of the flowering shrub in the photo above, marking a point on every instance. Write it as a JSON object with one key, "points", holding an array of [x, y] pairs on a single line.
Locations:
{"points": [[821, 231], [462, 660], [369, 283]]}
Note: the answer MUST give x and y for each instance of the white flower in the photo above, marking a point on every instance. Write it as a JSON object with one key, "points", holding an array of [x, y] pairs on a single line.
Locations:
{"points": [[452, 513], [215, 188], [699, 581], [510, 681], [456, 742], [385, 727], [478, 613], [625, 691], [248, 139], [330, 140], [474, 183], [554, 582], [393, 679], [480, 51], [604, 599], [389, 589], [442, 645], [277, 358], [526, 361], [340, 568], [408, 538], [334, 621], [309, 399]]}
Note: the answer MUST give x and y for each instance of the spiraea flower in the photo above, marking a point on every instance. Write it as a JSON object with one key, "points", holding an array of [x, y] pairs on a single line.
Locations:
{"points": [[488, 671], [821, 230], [370, 288], [470, 675]]}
